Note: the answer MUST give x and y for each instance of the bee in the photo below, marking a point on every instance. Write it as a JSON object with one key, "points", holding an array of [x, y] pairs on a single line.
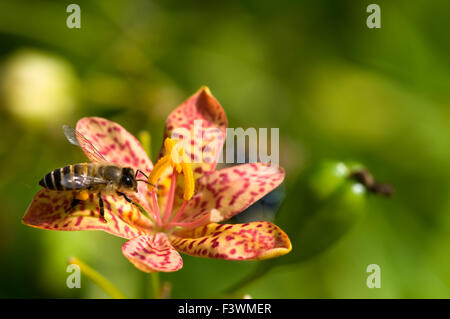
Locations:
{"points": [[98, 177]]}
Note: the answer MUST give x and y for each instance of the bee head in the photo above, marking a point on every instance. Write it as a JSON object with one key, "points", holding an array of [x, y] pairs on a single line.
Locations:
{"points": [[128, 180]]}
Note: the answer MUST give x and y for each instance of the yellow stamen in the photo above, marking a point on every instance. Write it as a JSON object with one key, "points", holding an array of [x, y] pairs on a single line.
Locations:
{"points": [[189, 181], [176, 157], [169, 144], [179, 161], [157, 171]]}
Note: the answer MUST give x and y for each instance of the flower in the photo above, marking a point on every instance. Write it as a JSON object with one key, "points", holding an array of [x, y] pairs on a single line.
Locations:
{"points": [[188, 202]]}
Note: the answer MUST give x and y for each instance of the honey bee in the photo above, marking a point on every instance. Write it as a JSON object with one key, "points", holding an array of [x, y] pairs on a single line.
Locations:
{"points": [[98, 177]]}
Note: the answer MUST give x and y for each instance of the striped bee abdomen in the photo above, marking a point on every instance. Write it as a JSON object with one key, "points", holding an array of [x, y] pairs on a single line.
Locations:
{"points": [[52, 180], [66, 178]]}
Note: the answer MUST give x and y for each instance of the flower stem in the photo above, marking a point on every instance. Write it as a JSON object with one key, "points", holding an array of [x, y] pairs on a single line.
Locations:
{"points": [[98, 279], [156, 285]]}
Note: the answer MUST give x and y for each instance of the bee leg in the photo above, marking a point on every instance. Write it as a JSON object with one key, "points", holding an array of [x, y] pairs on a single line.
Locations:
{"points": [[132, 202], [125, 196], [102, 207], [74, 203]]}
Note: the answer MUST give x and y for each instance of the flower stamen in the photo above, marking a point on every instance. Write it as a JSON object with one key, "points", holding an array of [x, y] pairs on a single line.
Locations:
{"points": [[180, 163], [170, 199], [156, 209], [189, 180], [179, 213], [157, 171], [177, 159]]}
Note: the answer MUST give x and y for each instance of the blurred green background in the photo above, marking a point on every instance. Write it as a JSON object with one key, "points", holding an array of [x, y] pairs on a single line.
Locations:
{"points": [[336, 89]]}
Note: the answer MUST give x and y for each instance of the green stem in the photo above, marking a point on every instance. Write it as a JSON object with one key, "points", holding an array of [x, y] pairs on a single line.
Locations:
{"points": [[156, 285], [98, 279]]}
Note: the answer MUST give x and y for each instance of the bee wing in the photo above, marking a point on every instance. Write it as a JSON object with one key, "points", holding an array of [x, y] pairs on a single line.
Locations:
{"points": [[81, 181], [76, 138]]}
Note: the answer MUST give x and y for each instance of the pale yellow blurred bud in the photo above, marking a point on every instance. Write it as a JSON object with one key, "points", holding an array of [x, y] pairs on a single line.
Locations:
{"points": [[37, 86]]}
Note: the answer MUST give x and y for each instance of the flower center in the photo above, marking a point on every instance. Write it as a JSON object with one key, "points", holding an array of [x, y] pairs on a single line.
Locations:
{"points": [[179, 162]]}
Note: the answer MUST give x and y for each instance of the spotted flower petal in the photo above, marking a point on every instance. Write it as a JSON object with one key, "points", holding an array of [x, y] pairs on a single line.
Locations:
{"points": [[256, 240], [114, 142], [204, 119], [151, 253], [229, 191], [48, 211], [118, 146], [202, 123]]}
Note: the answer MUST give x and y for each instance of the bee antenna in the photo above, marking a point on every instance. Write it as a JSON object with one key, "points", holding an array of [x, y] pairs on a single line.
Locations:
{"points": [[143, 180], [139, 171]]}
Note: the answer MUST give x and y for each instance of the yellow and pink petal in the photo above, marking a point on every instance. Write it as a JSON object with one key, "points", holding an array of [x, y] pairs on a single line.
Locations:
{"points": [[118, 146], [205, 139], [48, 210], [227, 192], [202, 123], [251, 241], [150, 253], [114, 142]]}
